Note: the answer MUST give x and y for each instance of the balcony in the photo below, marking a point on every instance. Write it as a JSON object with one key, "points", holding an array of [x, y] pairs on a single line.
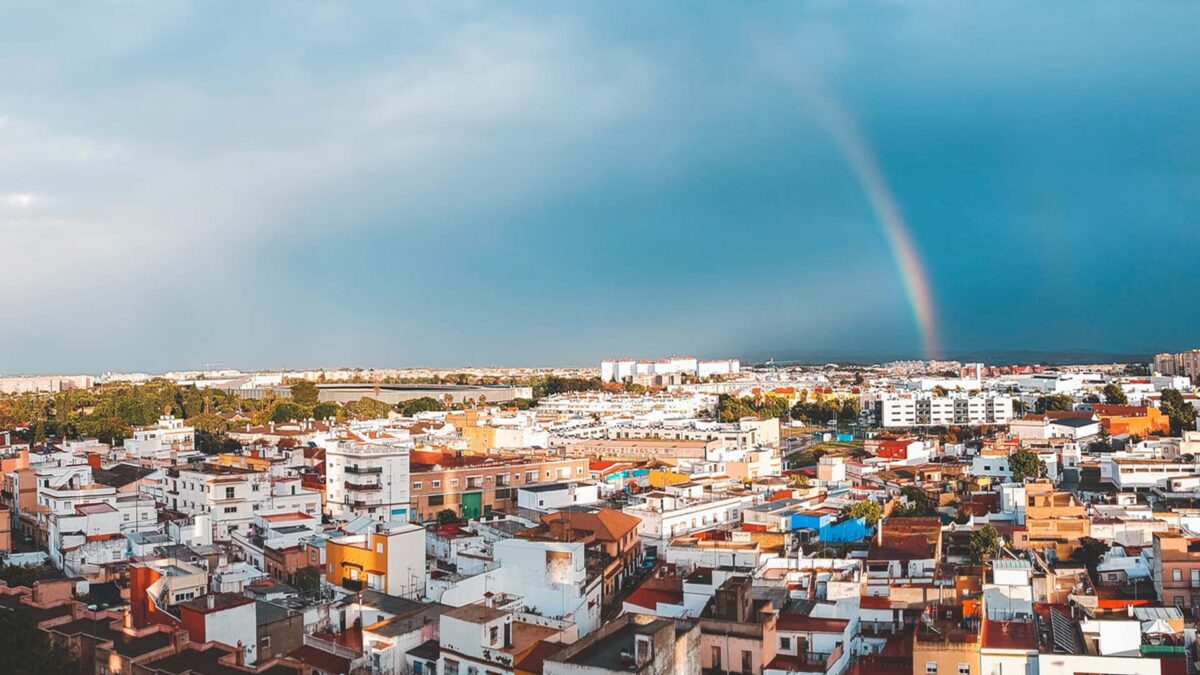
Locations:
{"points": [[363, 470], [363, 487], [352, 584]]}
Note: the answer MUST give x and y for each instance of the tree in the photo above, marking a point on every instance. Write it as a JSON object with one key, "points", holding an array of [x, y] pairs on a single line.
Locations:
{"points": [[367, 408], [417, 405], [869, 510], [286, 411], [214, 444], [1114, 394], [1181, 414], [732, 409], [326, 410], [1025, 464], [939, 391], [916, 503], [1090, 551], [985, 544], [1053, 402], [305, 393], [447, 517], [20, 575]]}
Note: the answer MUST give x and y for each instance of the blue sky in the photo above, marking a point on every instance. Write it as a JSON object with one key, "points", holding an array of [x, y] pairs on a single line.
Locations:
{"points": [[301, 184]]}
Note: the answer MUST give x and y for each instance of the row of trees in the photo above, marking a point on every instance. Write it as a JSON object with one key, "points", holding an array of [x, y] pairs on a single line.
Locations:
{"points": [[732, 408]]}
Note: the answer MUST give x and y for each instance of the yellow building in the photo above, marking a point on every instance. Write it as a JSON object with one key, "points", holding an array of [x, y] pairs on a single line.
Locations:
{"points": [[389, 558]]}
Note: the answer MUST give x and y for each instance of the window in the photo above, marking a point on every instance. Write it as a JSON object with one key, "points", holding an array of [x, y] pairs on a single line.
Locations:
{"points": [[747, 661], [931, 668], [1176, 575], [964, 669], [716, 657], [230, 509], [437, 484], [417, 485], [379, 547], [454, 482], [1196, 578], [494, 634], [228, 493], [437, 500], [785, 643], [451, 667]]}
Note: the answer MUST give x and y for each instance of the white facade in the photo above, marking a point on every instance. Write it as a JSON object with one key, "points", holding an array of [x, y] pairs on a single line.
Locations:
{"points": [[665, 516], [618, 370], [557, 496], [161, 442], [229, 496], [894, 411], [368, 479], [551, 578]]}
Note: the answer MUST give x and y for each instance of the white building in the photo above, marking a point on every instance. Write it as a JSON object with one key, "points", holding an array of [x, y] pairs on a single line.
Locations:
{"points": [[665, 516], [163, 442], [920, 410], [230, 496], [368, 479], [551, 579], [620, 370], [554, 496]]}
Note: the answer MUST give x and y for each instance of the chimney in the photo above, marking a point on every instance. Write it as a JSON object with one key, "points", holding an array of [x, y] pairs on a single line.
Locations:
{"points": [[879, 533], [241, 654], [210, 601]]}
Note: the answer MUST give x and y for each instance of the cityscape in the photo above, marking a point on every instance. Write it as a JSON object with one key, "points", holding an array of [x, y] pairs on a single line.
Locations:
{"points": [[512, 338], [672, 515]]}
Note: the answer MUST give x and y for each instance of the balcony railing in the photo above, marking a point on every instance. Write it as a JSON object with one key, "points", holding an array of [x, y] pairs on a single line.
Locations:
{"points": [[363, 487], [364, 469], [352, 584]]}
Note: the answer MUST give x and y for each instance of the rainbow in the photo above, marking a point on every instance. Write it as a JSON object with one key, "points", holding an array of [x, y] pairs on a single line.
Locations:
{"points": [[837, 121]]}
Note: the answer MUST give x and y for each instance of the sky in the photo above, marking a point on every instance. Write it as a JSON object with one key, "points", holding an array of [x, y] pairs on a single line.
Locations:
{"points": [[302, 184]]}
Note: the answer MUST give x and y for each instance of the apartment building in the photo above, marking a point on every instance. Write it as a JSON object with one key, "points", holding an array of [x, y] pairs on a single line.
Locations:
{"points": [[1054, 521], [230, 496], [637, 643], [368, 479], [611, 535], [1133, 420], [472, 486], [1176, 570], [1185, 364], [164, 443], [1143, 471], [742, 434], [665, 515], [627, 370], [390, 558], [638, 448], [924, 410]]}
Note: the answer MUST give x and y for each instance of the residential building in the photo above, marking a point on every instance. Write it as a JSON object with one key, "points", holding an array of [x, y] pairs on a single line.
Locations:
{"points": [[473, 486], [389, 557], [368, 479], [633, 643], [229, 496]]}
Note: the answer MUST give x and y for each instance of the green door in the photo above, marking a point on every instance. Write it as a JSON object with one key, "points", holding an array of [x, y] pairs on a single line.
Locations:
{"points": [[471, 504]]}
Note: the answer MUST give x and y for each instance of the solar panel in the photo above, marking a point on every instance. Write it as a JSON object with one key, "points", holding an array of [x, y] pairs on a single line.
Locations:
{"points": [[1062, 630]]}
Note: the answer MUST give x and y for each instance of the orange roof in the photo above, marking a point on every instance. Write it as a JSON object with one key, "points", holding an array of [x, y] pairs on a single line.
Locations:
{"points": [[285, 517]]}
